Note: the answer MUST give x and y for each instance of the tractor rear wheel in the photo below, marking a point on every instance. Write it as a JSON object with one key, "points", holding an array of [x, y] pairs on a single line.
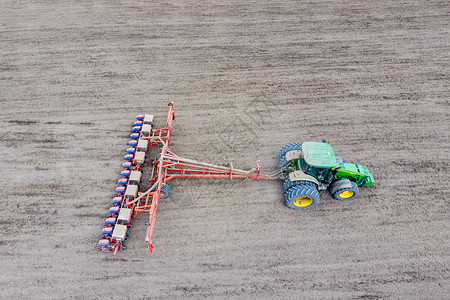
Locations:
{"points": [[285, 149], [302, 197], [287, 184], [348, 191]]}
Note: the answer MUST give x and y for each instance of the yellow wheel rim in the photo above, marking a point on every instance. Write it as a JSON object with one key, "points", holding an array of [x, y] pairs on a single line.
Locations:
{"points": [[346, 194], [303, 201]]}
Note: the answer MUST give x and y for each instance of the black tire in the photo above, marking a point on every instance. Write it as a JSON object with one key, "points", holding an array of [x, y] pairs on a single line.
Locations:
{"points": [[341, 160], [285, 149], [287, 184], [165, 191], [345, 193], [302, 197]]}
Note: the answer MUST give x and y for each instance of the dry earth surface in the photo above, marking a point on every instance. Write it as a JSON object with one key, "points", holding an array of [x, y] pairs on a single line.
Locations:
{"points": [[246, 77]]}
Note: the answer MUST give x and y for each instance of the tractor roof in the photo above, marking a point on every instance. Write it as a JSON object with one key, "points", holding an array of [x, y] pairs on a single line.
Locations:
{"points": [[319, 155]]}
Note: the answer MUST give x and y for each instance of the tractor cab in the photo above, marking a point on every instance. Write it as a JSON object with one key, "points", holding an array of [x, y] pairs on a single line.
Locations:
{"points": [[310, 167], [317, 159]]}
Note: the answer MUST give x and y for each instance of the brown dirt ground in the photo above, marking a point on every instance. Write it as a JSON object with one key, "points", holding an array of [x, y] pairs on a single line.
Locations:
{"points": [[372, 76]]}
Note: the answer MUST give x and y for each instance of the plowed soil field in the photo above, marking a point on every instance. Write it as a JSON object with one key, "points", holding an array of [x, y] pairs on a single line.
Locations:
{"points": [[246, 78]]}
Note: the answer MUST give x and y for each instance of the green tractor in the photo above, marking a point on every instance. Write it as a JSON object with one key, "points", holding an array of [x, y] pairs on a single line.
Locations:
{"points": [[312, 167]]}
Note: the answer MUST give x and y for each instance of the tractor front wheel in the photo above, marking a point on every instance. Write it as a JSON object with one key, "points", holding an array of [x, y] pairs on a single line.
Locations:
{"points": [[341, 160], [302, 197], [344, 189]]}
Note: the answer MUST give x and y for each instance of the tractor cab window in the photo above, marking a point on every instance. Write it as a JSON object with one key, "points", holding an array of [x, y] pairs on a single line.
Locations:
{"points": [[303, 163], [318, 173], [322, 173]]}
